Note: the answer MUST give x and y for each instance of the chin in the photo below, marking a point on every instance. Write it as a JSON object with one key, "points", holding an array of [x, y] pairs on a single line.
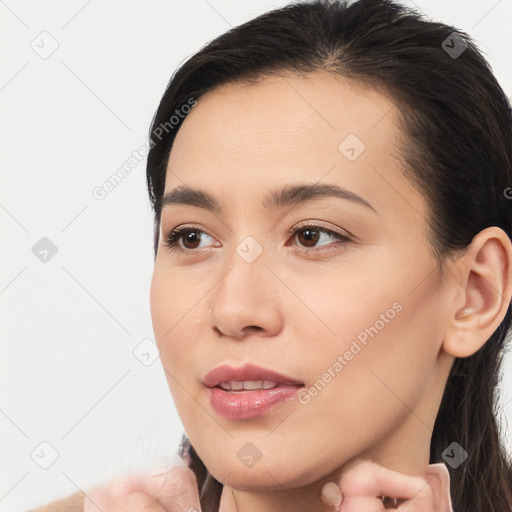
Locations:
{"points": [[262, 477]]}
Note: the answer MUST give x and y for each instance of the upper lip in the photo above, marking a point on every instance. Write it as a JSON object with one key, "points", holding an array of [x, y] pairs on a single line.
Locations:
{"points": [[226, 373]]}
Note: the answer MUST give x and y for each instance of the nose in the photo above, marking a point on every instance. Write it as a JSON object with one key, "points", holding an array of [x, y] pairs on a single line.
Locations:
{"points": [[247, 300]]}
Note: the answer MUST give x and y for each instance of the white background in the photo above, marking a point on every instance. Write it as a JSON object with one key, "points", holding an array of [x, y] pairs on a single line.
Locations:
{"points": [[68, 374]]}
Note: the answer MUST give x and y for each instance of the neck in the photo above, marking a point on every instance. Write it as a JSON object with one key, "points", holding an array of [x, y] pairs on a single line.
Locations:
{"points": [[412, 461], [405, 450]]}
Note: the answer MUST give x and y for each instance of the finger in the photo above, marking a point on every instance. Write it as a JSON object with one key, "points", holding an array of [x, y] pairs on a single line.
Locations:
{"points": [[368, 479], [331, 495], [362, 504], [96, 499], [120, 496], [176, 490], [439, 479], [367, 504], [124, 494], [137, 502]]}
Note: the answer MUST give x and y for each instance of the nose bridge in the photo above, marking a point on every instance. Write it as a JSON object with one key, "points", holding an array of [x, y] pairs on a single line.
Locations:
{"points": [[246, 297], [248, 286], [247, 276]]}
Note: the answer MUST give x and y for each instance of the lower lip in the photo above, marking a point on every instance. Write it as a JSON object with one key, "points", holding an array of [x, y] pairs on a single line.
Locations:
{"points": [[243, 405]]}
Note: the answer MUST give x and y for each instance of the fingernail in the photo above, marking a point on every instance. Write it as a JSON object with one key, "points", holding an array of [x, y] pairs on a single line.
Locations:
{"points": [[331, 494], [165, 464], [439, 466]]}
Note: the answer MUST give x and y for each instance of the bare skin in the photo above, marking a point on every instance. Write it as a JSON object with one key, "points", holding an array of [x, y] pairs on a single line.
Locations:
{"points": [[368, 429], [294, 311]]}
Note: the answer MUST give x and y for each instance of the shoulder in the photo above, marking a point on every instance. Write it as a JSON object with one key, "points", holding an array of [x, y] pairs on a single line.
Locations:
{"points": [[73, 503]]}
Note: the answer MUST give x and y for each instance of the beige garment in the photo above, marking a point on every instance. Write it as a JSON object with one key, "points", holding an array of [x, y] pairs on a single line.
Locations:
{"points": [[73, 503]]}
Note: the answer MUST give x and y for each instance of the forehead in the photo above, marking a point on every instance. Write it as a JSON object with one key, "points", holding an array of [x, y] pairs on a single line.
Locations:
{"points": [[318, 110], [289, 129]]}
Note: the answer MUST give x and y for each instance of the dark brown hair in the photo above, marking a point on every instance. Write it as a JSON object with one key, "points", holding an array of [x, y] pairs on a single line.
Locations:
{"points": [[457, 122]]}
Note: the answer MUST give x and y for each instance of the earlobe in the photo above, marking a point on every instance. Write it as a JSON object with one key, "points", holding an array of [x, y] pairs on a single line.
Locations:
{"points": [[485, 279]]}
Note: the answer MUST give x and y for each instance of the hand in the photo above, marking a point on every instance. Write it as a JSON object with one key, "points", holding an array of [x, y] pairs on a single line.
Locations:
{"points": [[166, 490], [369, 487]]}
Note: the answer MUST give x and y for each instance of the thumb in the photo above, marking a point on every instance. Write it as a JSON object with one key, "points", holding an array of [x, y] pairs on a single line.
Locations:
{"points": [[332, 496]]}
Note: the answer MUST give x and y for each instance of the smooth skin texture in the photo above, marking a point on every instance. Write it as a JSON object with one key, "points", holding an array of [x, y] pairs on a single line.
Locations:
{"points": [[362, 483], [294, 310], [368, 431]]}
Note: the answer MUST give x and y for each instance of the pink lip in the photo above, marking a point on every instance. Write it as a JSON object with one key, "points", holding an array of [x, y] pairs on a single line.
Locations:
{"points": [[226, 373], [241, 405]]}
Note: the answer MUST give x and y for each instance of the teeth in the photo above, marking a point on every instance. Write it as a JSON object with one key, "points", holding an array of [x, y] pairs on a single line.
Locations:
{"points": [[248, 385]]}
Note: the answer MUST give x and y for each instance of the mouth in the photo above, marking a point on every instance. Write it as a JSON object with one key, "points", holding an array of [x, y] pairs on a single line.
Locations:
{"points": [[245, 404], [247, 378], [249, 391], [249, 385]]}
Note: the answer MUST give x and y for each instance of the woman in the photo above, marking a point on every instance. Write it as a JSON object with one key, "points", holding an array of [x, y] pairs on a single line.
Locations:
{"points": [[378, 350]]}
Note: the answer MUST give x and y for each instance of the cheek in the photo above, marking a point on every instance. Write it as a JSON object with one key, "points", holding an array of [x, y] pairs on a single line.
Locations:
{"points": [[168, 321], [372, 332], [177, 319], [172, 300], [384, 357]]}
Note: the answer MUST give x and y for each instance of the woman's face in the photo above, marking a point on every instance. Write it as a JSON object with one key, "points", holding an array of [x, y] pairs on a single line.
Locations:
{"points": [[359, 322]]}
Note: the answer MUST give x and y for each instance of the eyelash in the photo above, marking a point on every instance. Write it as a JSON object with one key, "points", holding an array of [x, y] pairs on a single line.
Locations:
{"points": [[176, 234]]}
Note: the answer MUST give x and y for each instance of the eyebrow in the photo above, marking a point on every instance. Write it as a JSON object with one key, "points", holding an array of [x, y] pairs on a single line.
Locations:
{"points": [[287, 196]]}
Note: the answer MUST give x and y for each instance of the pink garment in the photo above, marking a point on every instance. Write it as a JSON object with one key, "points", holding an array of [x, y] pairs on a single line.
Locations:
{"points": [[437, 476]]}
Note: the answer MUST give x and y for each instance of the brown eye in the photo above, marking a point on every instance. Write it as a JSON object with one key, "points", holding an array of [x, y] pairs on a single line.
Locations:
{"points": [[309, 236], [191, 237]]}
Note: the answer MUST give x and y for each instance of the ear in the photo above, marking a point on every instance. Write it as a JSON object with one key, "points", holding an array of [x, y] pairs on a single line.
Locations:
{"points": [[484, 282]]}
